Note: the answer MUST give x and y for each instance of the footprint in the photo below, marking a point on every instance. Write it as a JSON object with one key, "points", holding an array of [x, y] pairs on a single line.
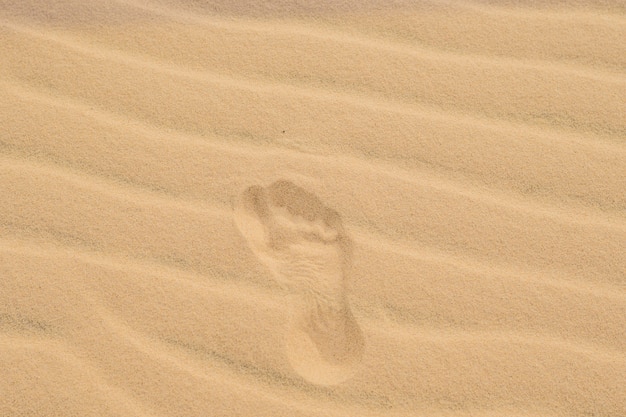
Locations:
{"points": [[304, 245]]}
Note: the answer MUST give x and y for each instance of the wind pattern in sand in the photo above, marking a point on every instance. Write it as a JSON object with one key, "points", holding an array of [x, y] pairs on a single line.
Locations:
{"points": [[475, 152]]}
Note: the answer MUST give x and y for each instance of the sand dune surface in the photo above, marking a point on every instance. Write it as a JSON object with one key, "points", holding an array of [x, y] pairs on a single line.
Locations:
{"points": [[333, 208]]}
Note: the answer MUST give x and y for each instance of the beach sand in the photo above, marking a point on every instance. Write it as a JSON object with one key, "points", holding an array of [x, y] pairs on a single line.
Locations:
{"points": [[403, 208]]}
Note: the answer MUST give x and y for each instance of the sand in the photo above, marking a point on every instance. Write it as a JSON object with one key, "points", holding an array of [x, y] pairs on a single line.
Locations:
{"points": [[403, 208]]}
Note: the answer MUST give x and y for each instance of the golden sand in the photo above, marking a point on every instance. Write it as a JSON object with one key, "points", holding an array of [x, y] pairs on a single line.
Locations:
{"points": [[409, 208]]}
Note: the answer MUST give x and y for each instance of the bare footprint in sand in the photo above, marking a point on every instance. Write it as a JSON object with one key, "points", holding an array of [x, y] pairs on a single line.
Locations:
{"points": [[304, 245]]}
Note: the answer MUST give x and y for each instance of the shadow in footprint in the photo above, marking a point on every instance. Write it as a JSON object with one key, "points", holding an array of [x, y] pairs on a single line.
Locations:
{"points": [[306, 248]]}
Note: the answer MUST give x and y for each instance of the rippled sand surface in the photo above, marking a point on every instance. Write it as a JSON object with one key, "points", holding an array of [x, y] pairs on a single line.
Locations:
{"points": [[408, 208]]}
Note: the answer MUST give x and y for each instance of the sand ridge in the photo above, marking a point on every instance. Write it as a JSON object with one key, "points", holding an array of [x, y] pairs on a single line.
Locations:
{"points": [[408, 208]]}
